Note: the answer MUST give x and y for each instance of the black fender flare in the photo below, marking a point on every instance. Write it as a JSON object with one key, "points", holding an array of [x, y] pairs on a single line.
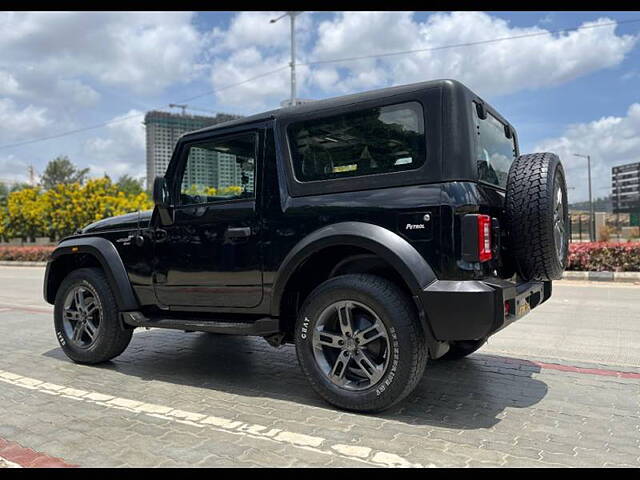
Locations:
{"points": [[105, 252], [390, 246]]}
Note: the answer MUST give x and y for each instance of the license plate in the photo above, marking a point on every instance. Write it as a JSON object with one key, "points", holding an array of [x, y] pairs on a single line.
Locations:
{"points": [[523, 308]]}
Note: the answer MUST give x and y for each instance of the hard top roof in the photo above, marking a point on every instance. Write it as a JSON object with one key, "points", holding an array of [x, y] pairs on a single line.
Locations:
{"points": [[283, 113]]}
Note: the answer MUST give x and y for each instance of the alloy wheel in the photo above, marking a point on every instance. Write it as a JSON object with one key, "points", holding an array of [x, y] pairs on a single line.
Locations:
{"points": [[351, 345], [81, 316]]}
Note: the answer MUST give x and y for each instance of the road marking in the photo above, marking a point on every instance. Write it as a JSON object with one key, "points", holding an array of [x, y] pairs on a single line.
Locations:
{"points": [[321, 445], [13, 455], [4, 463], [602, 372], [27, 308], [588, 371]]}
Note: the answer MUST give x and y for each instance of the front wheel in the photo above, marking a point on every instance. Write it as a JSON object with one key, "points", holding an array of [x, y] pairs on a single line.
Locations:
{"points": [[359, 343], [86, 318]]}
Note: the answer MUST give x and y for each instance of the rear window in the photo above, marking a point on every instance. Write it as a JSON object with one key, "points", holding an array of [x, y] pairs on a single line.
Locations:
{"points": [[366, 142], [496, 152]]}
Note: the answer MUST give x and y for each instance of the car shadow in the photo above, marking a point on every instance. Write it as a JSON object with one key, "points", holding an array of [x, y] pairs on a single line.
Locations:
{"points": [[465, 394]]}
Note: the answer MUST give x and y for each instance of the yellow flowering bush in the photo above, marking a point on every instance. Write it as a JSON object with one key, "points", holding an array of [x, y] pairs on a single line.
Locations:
{"points": [[24, 214], [64, 208]]}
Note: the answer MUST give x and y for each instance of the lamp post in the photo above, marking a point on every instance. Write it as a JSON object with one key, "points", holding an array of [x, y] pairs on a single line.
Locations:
{"points": [[292, 64], [592, 234]]}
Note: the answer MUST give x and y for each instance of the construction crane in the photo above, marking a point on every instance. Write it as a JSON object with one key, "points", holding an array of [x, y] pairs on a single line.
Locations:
{"points": [[187, 107]]}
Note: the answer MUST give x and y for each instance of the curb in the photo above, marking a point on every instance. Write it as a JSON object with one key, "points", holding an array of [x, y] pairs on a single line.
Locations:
{"points": [[630, 277], [603, 276], [11, 263]]}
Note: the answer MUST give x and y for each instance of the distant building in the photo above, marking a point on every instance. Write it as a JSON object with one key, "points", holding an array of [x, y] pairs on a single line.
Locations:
{"points": [[625, 188], [163, 131]]}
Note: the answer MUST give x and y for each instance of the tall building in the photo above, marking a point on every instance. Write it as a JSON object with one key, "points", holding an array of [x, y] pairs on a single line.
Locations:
{"points": [[625, 188], [163, 131]]}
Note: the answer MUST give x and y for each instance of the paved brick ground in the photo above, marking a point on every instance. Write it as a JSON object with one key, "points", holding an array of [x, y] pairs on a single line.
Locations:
{"points": [[487, 410]]}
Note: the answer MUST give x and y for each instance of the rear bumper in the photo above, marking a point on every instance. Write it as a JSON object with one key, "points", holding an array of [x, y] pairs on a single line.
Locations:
{"points": [[474, 309]]}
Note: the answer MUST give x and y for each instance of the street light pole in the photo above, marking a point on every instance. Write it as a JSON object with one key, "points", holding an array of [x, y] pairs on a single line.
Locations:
{"points": [[292, 64], [592, 223]]}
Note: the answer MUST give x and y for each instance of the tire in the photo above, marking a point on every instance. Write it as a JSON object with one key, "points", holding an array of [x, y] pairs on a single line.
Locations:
{"points": [[401, 351], [106, 338], [537, 216], [458, 350]]}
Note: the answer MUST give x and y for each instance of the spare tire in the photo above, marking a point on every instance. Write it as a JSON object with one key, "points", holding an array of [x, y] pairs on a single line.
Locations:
{"points": [[537, 216]]}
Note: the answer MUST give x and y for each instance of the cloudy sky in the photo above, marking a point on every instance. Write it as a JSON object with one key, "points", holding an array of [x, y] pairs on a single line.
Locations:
{"points": [[577, 91]]}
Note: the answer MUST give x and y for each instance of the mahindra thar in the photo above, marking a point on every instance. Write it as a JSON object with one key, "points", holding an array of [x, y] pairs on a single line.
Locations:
{"points": [[375, 231]]}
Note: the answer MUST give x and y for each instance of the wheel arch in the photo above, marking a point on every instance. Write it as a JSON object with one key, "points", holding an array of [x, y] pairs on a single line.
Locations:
{"points": [[89, 251], [359, 239]]}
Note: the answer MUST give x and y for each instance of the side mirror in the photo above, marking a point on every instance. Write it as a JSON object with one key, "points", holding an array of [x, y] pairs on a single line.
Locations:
{"points": [[507, 131], [162, 201], [160, 192]]}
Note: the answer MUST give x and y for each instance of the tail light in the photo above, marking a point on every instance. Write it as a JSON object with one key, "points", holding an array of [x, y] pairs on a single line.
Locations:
{"points": [[476, 238], [484, 238]]}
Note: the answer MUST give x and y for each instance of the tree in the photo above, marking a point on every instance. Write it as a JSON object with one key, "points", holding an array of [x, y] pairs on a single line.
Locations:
{"points": [[61, 170], [129, 185]]}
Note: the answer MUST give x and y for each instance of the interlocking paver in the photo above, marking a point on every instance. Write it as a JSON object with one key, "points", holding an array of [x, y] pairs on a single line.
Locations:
{"points": [[488, 410]]}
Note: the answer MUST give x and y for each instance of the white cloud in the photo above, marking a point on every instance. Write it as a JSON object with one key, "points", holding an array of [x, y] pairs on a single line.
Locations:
{"points": [[12, 169], [609, 140], [18, 123], [253, 29], [250, 46], [255, 95], [121, 150], [8, 84], [490, 69], [142, 51]]}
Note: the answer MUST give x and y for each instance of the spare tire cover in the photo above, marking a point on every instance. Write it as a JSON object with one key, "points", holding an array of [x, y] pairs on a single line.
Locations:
{"points": [[537, 216]]}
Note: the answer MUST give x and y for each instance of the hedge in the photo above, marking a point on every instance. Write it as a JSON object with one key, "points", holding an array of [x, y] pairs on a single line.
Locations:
{"points": [[604, 256], [595, 256], [25, 254]]}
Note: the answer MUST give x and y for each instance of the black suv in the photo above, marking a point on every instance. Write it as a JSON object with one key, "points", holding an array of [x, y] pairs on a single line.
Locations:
{"points": [[375, 231]]}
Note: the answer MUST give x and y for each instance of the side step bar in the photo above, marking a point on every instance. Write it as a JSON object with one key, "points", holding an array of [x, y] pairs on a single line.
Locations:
{"points": [[260, 327]]}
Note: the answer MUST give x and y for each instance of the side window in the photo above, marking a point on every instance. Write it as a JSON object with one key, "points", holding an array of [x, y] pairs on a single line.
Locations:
{"points": [[219, 170], [365, 142], [496, 152]]}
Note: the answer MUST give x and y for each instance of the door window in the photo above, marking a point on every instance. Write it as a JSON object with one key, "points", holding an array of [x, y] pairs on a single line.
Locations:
{"points": [[220, 170]]}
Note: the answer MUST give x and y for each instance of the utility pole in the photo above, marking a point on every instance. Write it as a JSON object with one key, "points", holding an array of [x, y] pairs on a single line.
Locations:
{"points": [[592, 223], [32, 175], [292, 64]]}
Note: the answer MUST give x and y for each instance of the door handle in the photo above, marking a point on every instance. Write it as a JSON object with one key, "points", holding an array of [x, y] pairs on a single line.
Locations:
{"points": [[238, 232]]}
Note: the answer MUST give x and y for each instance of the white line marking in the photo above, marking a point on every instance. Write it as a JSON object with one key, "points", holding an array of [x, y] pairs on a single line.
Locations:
{"points": [[7, 464], [357, 453]]}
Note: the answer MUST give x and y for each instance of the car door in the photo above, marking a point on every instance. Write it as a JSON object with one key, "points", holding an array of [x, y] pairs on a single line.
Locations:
{"points": [[209, 256]]}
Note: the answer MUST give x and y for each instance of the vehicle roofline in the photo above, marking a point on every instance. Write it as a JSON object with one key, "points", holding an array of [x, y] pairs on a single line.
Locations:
{"points": [[282, 114]]}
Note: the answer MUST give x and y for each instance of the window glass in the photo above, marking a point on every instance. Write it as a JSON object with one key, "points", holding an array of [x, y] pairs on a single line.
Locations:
{"points": [[219, 170], [366, 142], [496, 152]]}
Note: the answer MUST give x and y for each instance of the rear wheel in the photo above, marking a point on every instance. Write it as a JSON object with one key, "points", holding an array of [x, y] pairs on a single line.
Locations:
{"points": [[86, 318], [359, 343]]}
